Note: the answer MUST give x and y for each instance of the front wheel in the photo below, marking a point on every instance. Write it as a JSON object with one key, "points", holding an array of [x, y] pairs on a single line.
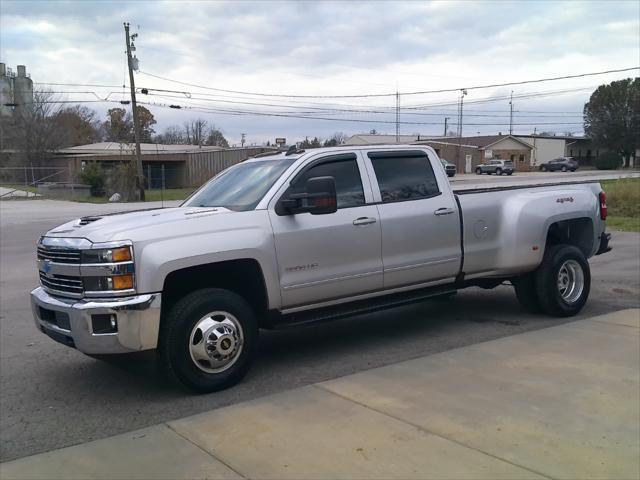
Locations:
{"points": [[208, 340], [478, 171], [563, 281], [499, 171], [543, 168], [564, 169]]}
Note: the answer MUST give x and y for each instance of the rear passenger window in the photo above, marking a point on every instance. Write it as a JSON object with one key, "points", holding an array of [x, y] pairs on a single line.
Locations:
{"points": [[404, 175]]}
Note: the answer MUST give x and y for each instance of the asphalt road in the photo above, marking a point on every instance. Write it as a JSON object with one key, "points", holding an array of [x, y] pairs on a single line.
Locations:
{"points": [[52, 396]]}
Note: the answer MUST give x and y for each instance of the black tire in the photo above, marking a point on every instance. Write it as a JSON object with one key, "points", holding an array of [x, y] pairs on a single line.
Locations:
{"points": [[546, 281], [564, 169], [478, 171], [543, 168], [526, 293], [175, 333], [498, 171]]}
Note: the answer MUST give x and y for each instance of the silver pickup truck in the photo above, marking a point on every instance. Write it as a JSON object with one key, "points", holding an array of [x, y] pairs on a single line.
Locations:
{"points": [[303, 237]]}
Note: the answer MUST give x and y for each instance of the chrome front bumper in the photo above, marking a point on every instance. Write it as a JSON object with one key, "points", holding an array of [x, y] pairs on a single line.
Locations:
{"points": [[69, 321]]}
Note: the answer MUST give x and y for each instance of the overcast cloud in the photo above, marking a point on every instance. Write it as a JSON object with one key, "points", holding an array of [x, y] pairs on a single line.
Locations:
{"points": [[330, 48]]}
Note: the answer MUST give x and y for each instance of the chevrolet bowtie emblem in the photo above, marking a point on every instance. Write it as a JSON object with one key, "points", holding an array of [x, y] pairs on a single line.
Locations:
{"points": [[46, 266]]}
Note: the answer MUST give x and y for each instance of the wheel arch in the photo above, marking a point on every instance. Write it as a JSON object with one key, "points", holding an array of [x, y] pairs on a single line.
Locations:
{"points": [[242, 276], [579, 232]]}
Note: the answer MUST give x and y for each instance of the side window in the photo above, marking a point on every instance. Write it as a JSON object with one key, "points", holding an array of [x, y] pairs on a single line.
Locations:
{"points": [[344, 169], [404, 175]]}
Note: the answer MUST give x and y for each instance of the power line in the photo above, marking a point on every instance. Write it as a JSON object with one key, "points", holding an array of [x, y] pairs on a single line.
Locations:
{"points": [[350, 120], [369, 95], [337, 110]]}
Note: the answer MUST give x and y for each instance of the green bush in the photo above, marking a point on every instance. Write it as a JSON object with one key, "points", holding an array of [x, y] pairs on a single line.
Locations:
{"points": [[93, 175], [608, 161], [123, 181]]}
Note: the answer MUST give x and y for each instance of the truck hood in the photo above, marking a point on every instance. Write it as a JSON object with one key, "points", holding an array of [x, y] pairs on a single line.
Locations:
{"points": [[129, 225]]}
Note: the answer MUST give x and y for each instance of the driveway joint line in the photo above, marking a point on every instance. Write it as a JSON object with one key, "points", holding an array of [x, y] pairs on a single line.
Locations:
{"points": [[425, 430], [211, 454], [614, 324]]}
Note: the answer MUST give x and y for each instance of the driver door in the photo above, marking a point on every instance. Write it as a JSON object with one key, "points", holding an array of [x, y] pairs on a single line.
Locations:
{"points": [[335, 255]]}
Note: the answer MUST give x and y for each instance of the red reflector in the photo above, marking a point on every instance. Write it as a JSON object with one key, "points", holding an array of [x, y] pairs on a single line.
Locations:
{"points": [[603, 205]]}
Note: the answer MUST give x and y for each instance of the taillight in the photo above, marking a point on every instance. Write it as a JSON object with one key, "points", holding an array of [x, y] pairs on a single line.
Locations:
{"points": [[603, 205]]}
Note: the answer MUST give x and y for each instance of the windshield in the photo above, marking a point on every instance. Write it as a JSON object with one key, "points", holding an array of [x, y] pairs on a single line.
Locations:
{"points": [[241, 187]]}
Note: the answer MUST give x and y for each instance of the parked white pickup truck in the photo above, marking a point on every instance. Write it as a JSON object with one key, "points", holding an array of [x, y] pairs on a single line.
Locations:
{"points": [[303, 237]]}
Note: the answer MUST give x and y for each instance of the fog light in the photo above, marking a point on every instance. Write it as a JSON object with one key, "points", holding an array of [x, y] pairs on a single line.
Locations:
{"points": [[104, 323], [122, 282]]}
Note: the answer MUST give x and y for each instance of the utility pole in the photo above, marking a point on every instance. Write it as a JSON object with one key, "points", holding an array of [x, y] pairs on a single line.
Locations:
{"points": [[242, 139], [446, 119], [511, 114], [463, 92], [136, 126], [397, 116]]}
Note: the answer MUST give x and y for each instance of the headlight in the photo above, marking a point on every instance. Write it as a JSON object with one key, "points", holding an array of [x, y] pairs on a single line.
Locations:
{"points": [[107, 255], [108, 269]]}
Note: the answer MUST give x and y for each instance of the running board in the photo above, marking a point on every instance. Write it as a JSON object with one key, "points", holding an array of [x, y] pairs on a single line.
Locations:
{"points": [[359, 307]]}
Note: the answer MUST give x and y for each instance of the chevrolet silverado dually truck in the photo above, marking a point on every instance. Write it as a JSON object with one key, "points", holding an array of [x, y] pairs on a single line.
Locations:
{"points": [[306, 236]]}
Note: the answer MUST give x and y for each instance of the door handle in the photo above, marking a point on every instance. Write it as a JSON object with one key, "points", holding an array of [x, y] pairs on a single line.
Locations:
{"points": [[364, 221], [444, 211]]}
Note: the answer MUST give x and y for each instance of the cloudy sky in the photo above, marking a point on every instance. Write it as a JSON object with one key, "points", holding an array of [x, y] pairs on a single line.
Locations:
{"points": [[329, 49]]}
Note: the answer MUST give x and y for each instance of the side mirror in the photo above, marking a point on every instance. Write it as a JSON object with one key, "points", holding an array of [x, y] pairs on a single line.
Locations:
{"points": [[318, 199]]}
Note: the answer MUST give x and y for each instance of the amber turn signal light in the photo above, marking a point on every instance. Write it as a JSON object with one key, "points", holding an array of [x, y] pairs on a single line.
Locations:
{"points": [[122, 282], [122, 254]]}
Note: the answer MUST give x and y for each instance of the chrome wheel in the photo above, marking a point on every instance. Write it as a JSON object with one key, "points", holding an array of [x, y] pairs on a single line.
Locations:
{"points": [[216, 342], [570, 281]]}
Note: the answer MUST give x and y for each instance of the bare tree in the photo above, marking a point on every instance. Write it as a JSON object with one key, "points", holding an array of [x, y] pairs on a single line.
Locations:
{"points": [[172, 135], [216, 138], [195, 131], [35, 131]]}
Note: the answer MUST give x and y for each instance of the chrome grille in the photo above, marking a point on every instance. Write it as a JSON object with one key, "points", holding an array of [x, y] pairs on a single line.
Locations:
{"points": [[58, 255], [62, 283]]}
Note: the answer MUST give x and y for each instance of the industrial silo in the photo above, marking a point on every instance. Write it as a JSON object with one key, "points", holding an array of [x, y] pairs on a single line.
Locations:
{"points": [[6, 94], [22, 89]]}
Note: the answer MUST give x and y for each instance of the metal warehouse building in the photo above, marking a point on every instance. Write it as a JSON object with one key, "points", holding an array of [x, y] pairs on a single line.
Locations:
{"points": [[178, 165]]}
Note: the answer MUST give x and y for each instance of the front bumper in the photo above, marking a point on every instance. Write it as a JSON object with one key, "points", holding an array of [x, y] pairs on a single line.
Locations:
{"points": [[69, 321]]}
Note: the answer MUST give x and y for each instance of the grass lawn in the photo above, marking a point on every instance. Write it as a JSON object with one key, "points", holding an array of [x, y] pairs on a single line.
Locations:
{"points": [[623, 203], [153, 195], [170, 194]]}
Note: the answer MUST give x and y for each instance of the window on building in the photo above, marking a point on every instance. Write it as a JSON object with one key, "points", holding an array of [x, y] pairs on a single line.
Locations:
{"points": [[512, 158], [404, 175], [497, 156], [344, 169], [521, 158]]}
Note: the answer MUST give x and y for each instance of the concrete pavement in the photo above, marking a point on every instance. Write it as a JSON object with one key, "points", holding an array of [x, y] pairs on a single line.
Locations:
{"points": [[562, 402]]}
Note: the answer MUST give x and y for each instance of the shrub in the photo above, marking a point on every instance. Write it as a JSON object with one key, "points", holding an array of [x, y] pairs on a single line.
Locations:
{"points": [[93, 175], [608, 161], [123, 181]]}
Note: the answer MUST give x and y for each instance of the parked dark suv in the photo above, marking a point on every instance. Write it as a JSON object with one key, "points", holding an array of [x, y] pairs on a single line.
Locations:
{"points": [[562, 163]]}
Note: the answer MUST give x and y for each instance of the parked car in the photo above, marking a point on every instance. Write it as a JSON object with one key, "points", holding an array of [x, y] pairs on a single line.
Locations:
{"points": [[449, 167], [496, 166], [562, 164], [302, 237]]}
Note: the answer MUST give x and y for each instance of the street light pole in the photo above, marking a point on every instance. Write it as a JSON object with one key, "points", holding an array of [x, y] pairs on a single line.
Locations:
{"points": [[136, 125]]}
